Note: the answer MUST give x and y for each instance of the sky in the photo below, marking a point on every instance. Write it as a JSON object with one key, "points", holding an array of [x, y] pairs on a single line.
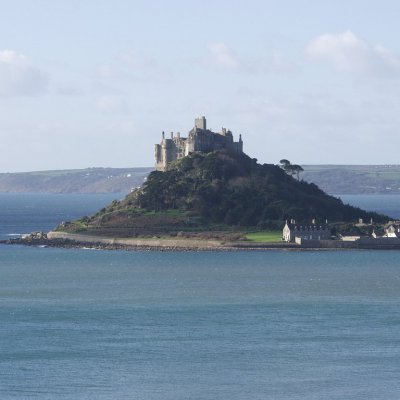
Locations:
{"points": [[93, 83]]}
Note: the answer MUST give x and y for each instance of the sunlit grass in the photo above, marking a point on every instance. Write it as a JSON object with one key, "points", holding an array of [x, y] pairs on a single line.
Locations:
{"points": [[264, 236]]}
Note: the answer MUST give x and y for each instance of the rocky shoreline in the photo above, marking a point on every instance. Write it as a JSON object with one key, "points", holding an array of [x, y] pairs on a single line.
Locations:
{"points": [[79, 241], [70, 241]]}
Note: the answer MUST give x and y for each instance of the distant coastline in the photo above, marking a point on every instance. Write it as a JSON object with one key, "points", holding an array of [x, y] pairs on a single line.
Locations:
{"points": [[88, 180], [333, 179]]}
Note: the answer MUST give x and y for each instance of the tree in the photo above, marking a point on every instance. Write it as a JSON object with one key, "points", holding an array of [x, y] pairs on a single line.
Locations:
{"points": [[284, 164], [296, 170], [291, 169]]}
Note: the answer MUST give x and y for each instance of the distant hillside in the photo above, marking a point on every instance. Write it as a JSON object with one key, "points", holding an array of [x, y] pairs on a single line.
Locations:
{"points": [[90, 180], [333, 179], [354, 179]]}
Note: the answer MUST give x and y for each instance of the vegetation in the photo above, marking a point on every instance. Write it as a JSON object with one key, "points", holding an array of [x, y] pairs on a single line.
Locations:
{"points": [[291, 169], [234, 189], [265, 236], [218, 192]]}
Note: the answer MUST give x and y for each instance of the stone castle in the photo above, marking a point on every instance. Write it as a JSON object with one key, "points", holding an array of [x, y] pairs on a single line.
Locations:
{"points": [[200, 139]]}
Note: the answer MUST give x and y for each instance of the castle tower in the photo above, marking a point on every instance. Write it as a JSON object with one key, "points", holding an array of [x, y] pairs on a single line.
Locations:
{"points": [[201, 123], [240, 144]]}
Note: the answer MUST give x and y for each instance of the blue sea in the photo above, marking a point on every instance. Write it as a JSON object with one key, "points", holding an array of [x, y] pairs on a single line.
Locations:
{"points": [[88, 324]]}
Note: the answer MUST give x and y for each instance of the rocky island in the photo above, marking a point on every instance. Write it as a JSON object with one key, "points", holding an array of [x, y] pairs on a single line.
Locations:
{"points": [[206, 193]]}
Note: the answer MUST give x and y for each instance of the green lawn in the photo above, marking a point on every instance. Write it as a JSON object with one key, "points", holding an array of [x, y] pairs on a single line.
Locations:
{"points": [[265, 236]]}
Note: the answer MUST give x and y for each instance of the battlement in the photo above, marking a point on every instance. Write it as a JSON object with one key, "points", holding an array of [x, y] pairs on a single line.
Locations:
{"points": [[199, 139]]}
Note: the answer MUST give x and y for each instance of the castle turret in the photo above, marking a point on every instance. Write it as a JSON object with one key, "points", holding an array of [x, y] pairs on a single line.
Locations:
{"points": [[201, 123], [240, 144]]}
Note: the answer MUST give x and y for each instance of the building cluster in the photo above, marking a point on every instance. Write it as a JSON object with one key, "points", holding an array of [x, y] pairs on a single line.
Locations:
{"points": [[199, 139], [392, 230], [313, 233]]}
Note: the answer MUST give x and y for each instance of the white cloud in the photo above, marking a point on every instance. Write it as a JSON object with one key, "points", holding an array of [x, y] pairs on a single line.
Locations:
{"points": [[18, 77], [69, 90], [112, 104], [223, 56], [347, 52], [133, 66]]}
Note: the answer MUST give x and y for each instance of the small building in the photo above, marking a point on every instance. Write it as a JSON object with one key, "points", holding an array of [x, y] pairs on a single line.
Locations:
{"points": [[313, 231], [392, 230], [350, 238]]}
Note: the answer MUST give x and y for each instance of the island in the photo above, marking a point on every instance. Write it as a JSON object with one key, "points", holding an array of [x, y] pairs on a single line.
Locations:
{"points": [[206, 193]]}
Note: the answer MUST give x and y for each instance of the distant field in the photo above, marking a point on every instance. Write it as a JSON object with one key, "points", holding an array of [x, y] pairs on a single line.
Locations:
{"points": [[354, 179], [265, 236]]}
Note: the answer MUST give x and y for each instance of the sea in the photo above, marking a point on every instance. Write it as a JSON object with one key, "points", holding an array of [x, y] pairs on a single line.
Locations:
{"points": [[144, 325]]}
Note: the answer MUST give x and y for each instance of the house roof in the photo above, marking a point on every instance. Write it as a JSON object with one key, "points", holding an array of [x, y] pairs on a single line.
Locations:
{"points": [[307, 227]]}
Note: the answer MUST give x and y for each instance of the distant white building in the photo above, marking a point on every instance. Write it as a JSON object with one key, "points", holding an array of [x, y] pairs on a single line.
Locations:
{"points": [[314, 231], [393, 230]]}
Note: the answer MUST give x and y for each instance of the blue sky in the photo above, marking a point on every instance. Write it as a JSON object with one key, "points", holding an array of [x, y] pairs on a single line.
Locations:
{"points": [[93, 83]]}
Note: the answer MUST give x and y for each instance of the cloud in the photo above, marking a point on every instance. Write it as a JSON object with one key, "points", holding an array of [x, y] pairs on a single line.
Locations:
{"points": [[347, 52], [18, 77], [69, 90], [135, 67], [112, 104], [222, 56]]}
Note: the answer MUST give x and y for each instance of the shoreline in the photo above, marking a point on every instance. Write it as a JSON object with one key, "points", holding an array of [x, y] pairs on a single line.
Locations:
{"points": [[68, 241], [100, 246], [79, 241]]}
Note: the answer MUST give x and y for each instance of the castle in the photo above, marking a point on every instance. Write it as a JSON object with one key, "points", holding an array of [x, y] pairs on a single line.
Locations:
{"points": [[199, 139]]}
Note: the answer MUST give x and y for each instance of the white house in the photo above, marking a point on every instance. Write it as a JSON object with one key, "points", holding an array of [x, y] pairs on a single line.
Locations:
{"points": [[314, 231]]}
